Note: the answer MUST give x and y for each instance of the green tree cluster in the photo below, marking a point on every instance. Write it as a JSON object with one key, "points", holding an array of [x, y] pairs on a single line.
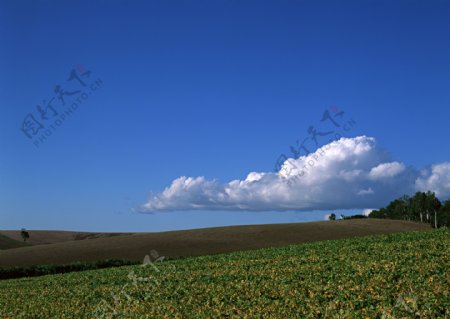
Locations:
{"points": [[422, 207]]}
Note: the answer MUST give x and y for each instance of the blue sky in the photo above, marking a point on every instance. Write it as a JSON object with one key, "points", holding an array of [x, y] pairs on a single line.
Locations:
{"points": [[216, 89]]}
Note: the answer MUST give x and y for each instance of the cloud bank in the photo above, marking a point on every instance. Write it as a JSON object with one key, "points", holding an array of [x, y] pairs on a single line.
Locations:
{"points": [[350, 173]]}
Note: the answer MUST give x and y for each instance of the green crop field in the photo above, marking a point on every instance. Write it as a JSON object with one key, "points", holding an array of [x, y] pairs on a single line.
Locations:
{"points": [[403, 275]]}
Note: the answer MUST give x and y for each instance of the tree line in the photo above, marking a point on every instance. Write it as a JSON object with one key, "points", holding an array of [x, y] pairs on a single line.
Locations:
{"points": [[422, 207], [332, 216]]}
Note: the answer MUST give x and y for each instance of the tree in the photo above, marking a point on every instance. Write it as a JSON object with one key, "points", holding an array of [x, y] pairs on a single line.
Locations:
{"points": [[397, 209], [432, 206], [425, 207], [377, 213], [443, 216], [25, 235], [332, 216], [418, 206]]}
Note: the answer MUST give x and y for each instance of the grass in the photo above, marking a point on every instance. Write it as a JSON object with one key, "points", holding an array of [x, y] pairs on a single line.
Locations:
{"points": [[186, 243], [402, 275]]}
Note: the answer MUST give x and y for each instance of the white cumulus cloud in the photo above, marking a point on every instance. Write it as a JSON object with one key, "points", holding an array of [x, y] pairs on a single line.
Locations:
{"points": [[387, 170], [436, 179], [351, 173]]}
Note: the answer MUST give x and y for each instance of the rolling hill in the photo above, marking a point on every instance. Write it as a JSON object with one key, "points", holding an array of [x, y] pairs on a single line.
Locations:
{"points": [[9, 243], [42, 237], [197, 242]]}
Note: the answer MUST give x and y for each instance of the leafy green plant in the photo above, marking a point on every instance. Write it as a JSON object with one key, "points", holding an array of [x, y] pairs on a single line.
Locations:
{"points": [[402, 275]]}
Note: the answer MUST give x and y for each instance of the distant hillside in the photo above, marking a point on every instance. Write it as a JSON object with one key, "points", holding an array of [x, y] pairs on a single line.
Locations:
{"points": [[8, 243], [198, 242], [40, 237]]}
